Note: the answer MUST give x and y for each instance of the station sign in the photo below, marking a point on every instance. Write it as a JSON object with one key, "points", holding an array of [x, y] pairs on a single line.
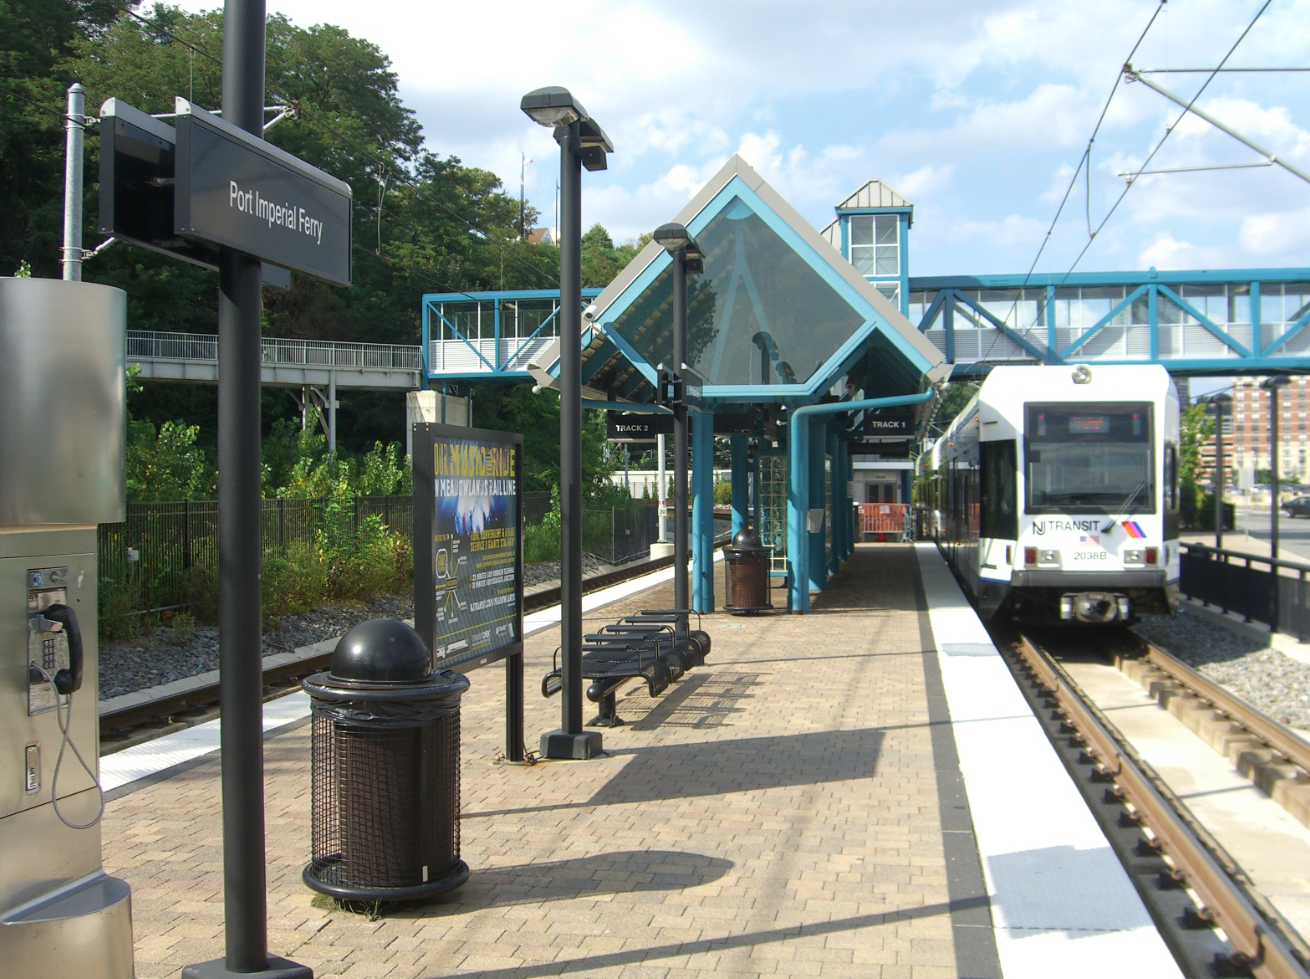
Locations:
{"points": [[237, 191], [900, 423], [136, 184], [633, 426]]}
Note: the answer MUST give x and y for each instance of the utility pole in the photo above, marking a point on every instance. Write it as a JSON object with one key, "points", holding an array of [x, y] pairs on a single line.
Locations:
{"points": [[75, 127]]}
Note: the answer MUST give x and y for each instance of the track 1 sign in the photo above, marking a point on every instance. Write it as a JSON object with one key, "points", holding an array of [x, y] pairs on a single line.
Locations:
{"points": [[237, 191]]}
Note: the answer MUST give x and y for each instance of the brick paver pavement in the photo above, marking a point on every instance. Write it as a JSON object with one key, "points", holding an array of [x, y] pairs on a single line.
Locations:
{"points": [[773, 813]]}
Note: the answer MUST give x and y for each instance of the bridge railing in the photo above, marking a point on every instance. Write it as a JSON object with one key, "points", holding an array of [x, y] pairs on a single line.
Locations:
{"points": [[203, 348]]}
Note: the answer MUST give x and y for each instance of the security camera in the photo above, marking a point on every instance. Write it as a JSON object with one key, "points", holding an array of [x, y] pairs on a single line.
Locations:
{"points": [[591, 312]]}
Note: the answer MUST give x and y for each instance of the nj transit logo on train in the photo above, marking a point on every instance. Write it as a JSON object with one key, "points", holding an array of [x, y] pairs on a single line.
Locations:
{"points": [[1134, 531]]}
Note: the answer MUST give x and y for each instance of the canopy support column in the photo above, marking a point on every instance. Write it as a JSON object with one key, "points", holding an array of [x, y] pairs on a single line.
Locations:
{"points": [[740, 483], [818, 501], [702, 513], [798, 485]]}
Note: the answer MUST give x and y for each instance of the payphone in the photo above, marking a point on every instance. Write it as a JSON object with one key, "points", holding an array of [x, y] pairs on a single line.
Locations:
{"points": [[62, 438]]}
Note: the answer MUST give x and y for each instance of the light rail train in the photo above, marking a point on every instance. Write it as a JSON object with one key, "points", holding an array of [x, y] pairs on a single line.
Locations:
{"points": [[1054, 493]]}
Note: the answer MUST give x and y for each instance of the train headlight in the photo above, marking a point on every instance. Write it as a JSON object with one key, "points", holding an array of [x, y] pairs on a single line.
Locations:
{"points": [[1048, 557], [1134, 557]]}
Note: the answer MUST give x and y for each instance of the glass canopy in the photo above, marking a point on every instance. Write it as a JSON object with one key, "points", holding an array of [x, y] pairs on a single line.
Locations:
{"points": [[759, 315]]}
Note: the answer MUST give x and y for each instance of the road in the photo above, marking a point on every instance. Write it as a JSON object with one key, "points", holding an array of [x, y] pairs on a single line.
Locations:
{"points": [[1293, 534]]}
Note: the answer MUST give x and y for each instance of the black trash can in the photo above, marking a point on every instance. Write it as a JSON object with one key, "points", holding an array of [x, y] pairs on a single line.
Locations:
{"points": [[385, 769], [747, 563]]}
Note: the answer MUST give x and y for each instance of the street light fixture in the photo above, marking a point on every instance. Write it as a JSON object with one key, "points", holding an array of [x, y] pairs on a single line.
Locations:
{"points": [[581, 143], [1219, 400], [686, 255], [1272, 385]]}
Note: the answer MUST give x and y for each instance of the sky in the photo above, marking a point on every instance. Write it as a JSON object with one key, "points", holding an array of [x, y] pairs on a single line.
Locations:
{"points": [[977, 111]]}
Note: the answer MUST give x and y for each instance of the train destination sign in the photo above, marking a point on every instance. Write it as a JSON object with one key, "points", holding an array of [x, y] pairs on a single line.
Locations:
{"points": [[237, 191], [468, 544]]}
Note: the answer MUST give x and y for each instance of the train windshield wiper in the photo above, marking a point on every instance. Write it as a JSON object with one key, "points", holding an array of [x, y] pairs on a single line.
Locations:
{"points": [[1123, 507]]}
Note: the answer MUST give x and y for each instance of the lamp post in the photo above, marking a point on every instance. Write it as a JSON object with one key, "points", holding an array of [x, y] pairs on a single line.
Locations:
{"points": [[581, 143], [686, 255], [1219, 400], [1272, 384]]}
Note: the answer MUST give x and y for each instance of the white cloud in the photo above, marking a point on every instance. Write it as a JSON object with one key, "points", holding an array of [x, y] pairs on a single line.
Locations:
{"points": [[976, 112], [1278, 237]]}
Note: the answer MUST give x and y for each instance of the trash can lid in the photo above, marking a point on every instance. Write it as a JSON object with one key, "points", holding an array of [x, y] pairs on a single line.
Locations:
{"points": [[381, 651], [747, 539]]}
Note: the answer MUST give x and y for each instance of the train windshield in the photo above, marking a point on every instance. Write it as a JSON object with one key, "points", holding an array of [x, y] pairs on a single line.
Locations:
{"points": [[1093, 458]]}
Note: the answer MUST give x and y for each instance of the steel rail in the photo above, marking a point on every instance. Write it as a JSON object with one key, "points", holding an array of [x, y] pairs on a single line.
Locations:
{"points": [[1257, 947], [201, 697], [1264, 728]]}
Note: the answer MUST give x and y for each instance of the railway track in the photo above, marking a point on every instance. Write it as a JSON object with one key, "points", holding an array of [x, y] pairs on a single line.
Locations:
{"points": [[202, 701], [1267, 752], [1214, 919]]}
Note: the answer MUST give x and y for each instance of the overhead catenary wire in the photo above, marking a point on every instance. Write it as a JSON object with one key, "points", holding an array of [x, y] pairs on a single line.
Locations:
{"points": [[1084, 162], [1146, 163]]}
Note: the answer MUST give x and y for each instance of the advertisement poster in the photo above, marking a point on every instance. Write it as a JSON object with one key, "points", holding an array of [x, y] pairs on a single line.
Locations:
{"points": [[471, 544]]}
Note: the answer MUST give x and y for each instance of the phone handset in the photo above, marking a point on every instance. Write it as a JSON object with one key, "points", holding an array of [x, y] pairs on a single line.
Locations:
{"points": [[70, 679], [65, 681]]}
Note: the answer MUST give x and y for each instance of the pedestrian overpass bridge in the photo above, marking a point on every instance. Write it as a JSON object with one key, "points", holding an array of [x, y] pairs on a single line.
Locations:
{"points": [[1191, 322], [193, 357]]}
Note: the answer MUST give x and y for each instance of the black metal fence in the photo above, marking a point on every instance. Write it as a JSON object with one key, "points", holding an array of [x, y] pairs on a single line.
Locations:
{"points": [[1244, 583], [158, 548], [157, 552], [535, 506], [632, 530]]}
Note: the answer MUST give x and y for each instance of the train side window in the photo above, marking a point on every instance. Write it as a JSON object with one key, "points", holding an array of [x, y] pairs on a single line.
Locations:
{"points": [[1000, 512], [1171, 476]]}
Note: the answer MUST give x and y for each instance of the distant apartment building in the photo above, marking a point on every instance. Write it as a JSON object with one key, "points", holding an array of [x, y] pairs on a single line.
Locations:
{"points": [[1247, 430]]}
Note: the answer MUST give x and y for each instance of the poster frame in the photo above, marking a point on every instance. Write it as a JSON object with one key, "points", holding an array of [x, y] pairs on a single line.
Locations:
{"points": [[426, 436]]}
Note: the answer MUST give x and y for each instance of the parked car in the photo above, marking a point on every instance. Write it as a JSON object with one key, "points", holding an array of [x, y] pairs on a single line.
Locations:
{"points": [[1299, 507]]}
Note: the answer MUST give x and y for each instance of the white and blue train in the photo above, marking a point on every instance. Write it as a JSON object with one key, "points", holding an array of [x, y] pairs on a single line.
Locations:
{"points": [[1054, 493]]}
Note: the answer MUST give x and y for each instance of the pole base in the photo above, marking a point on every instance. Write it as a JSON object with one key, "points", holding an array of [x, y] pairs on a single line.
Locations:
{"points": [[573, 747], [278, 968]]}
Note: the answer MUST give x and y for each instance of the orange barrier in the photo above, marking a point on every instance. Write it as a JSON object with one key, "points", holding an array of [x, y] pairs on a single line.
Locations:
{"points": [[882, 521]]}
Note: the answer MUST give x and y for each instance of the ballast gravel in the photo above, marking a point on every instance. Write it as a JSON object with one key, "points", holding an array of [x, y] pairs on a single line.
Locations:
{"points": [[1265, 678], [167, 653]]}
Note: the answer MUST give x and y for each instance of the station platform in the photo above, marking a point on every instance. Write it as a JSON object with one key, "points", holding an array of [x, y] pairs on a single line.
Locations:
{"points": [[857, 792]]}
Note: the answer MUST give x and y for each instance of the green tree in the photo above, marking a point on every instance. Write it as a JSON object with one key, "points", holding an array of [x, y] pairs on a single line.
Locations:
{"points": [[422, 223], [36, 36], [166, 464], [602, 260], [1195, 429]]}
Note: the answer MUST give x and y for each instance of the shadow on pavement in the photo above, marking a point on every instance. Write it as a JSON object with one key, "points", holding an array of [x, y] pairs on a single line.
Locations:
{"points": [[621, 872]]}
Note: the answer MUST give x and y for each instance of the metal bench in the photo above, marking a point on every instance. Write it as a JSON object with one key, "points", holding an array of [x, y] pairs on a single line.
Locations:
{"points": [[641, 647]]}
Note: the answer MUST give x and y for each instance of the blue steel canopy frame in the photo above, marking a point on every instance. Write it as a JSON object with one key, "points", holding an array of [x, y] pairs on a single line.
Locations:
{"points": [[437, 317], [736, 182], [869, 344], [1152, 315]]}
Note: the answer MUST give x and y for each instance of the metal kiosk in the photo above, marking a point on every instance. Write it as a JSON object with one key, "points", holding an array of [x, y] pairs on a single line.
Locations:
{"points": [[62, 436]]}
